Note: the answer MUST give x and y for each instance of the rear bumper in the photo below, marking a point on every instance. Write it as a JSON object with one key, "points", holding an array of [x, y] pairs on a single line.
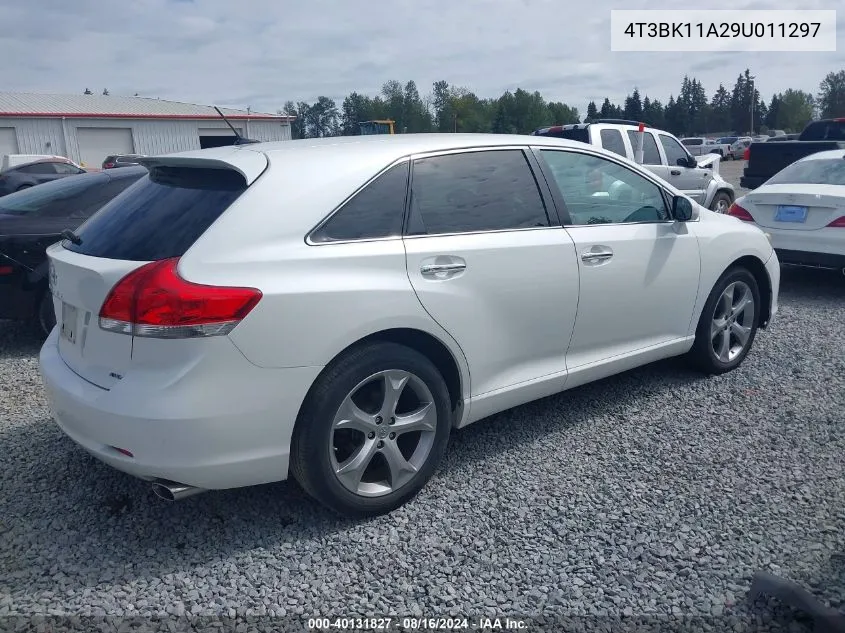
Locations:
{"points": [[751, 182], [807, 258], [217, 427], [16, 302]]}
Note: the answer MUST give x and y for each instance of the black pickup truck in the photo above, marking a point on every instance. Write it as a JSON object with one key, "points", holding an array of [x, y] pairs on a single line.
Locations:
{"points": [[767, 158]]}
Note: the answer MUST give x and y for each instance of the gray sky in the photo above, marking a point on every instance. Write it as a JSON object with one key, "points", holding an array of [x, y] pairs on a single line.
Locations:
{"points": [[262, 53]]}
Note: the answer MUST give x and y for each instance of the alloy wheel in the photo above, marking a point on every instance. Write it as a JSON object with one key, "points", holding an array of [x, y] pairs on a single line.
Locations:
{"points": [[383, 433], [733, 321]]}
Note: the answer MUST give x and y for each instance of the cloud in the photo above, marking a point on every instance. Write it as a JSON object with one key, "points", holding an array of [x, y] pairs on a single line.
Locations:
{"points": [[265, 52]]}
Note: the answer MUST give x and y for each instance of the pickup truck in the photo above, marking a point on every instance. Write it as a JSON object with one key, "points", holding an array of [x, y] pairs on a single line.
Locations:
{"points": [[767, 159], [699, 146], [663, 154]]}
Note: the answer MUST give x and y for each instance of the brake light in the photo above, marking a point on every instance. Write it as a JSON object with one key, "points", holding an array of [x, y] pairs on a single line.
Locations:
{"points": [[738, 212], [154, 301], [6, 270], [108, 165], [838, 223], [747, 153]]}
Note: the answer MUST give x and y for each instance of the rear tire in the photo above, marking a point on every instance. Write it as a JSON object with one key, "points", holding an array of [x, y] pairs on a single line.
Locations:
{"points": [[45, 313], [728, 323], [369, 456]]}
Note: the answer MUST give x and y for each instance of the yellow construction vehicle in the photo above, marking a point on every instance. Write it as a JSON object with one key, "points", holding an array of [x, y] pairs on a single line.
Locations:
{"points": [[384, 126]]}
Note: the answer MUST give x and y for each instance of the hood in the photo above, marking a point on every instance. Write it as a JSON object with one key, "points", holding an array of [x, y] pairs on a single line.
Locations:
{"points": [[711, 160]]}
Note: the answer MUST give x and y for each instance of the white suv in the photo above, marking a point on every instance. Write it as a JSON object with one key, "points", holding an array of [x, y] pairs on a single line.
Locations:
{"points": [[332, 308], [663, 154]]}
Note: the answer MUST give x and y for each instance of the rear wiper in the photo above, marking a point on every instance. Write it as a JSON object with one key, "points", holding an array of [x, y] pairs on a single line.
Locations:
{"points": [[71, 237]]}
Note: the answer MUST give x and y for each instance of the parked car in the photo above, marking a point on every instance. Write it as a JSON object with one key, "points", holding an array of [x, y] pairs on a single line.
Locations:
{"points": [[207, 340], [767, 159], [784, 137], [15, 160], [121, 160], [30, 221], [663, 155], [803, 208], [31, 174], [699, 146], [737, 148]]}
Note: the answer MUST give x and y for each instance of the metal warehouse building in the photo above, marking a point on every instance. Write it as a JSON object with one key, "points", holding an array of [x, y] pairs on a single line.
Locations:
{"points": [[87, 128]]}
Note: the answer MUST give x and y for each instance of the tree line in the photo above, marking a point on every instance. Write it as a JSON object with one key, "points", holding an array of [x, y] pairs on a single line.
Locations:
{"points": [[457, 109]]}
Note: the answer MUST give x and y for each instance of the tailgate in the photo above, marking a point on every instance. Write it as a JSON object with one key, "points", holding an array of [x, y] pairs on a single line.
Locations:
{"points": [[79, 285]]}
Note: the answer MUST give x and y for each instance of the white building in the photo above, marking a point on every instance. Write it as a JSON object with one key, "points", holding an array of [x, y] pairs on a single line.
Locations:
{"points": [[87, 128]]}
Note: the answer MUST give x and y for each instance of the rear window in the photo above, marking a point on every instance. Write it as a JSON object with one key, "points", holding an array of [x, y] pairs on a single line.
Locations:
{"points": [[58, 198], [579, 134], [161, 215], [818, 171], [824, 131]]}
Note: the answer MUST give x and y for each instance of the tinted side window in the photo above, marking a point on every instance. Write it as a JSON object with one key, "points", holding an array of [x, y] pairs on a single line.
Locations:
{"points": [[612, 140], [600, 191], [55, 198], [650, 154], [673, 150], [38, 168], [64, 168], [475, 191], [376, 211], [161, 215]]}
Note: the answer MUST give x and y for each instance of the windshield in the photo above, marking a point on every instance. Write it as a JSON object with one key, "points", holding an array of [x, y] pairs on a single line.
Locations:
{"points": [[49, 198], [819, 171]]}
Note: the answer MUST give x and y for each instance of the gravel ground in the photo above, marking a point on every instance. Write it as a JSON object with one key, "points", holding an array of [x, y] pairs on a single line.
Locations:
{"points": [[653, 493]]}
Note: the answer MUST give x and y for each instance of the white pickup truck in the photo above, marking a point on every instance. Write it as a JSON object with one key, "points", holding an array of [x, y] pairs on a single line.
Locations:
{"points": [[662, 154], [699, 146]]}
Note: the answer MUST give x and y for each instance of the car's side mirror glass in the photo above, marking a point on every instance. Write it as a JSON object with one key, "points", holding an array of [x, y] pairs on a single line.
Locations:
{"points": [[682, 162], [681, 209]]}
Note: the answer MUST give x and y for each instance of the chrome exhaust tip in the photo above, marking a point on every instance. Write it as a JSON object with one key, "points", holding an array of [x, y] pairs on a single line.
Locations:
{"points": [[172, 491]]}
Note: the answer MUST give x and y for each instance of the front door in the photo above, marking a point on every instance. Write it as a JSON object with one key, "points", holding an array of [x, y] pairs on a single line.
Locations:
{"points": [[639, 269], [488, 264], [691, 180]]}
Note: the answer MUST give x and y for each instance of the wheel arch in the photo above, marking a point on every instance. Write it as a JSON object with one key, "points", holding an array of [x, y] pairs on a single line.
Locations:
{"points": [[430, 346], [758, 268]]}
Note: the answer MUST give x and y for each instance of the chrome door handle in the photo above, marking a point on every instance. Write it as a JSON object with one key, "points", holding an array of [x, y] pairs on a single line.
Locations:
{"points": [[433, 269], [587, 256]]}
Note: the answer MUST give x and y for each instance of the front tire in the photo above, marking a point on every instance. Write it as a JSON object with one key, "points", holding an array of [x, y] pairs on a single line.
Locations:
{"points": [[372, 430], [728, 323], [721, 202]]}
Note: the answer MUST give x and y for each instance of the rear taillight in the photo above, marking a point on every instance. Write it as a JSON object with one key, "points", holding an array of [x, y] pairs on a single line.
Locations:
{"points": [[738, 212], [838, 223], [108, 165], [154, 301], [6, 270], [747, 153]]}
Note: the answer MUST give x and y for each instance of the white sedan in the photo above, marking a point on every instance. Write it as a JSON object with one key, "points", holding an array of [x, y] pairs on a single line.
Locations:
{"points": [[331, 309], [802, 207]]}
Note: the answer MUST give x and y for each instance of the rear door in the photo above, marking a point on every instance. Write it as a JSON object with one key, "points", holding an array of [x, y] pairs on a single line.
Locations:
{"points": [[159, 217], [490, 264]]}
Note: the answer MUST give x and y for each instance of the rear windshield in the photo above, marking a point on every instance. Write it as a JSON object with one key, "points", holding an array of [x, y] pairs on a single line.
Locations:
{"points": [[824, 131], [161, 215], [57, 198], [579, 134], [818, 171]]}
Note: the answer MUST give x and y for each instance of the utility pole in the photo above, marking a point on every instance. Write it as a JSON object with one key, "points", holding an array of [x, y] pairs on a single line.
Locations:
{"points": [[753, 100]]}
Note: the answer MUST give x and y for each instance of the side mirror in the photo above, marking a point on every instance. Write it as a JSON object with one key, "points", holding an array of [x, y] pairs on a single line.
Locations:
{"points": [[689, 161], [681, 209]]}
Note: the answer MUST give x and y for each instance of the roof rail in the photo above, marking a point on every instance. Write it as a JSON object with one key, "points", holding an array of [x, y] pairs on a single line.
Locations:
{"points": [[620, 122]]}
